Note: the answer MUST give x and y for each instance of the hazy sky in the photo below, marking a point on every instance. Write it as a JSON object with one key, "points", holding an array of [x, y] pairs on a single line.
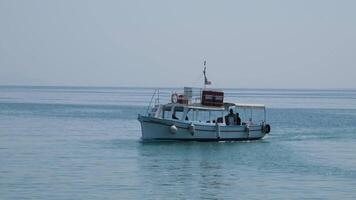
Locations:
{"points": [[247, 44]]}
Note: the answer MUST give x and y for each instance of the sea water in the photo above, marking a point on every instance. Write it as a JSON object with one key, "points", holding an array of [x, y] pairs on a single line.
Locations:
{"points": [[84, 143]]}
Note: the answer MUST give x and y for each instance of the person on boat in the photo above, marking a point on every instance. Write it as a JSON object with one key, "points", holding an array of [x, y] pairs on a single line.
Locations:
{"points": [[238, 119], [230, 119], [174, 115]]}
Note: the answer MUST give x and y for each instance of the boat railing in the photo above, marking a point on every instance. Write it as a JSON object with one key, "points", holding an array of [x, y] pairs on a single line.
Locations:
{"points": [[154, 97], [196, 100]]}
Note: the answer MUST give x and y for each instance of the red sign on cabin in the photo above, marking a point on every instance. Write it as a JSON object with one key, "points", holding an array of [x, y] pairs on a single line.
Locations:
{"points": [[212, 98]]}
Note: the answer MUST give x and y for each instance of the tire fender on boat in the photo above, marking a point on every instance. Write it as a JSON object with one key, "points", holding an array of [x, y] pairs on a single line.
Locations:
{"points": [[191, 128], [267, 128], [173, 129]]}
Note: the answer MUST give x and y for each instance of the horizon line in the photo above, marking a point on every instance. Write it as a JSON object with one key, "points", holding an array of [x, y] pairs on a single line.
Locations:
{"points": [[169, 87]]}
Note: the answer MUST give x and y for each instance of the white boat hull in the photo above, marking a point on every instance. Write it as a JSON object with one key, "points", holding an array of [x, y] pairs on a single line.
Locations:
{"points": [[161, 129]]}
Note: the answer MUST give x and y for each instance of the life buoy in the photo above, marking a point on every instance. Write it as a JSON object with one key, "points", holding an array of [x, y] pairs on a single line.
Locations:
{"points": [[174, 98]]}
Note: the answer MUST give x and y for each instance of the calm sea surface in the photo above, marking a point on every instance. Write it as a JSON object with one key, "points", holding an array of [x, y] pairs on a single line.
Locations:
{"points": [[84, 143]]}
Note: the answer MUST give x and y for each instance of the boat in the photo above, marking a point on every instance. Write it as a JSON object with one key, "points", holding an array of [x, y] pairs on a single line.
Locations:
{"points": [[201, 114]]}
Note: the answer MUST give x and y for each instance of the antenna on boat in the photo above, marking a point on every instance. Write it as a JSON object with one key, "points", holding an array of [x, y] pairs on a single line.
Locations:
{"points": [[206, 82]]}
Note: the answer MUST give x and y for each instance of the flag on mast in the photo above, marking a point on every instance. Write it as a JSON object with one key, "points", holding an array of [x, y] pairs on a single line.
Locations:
{"points": [[206, 81]]}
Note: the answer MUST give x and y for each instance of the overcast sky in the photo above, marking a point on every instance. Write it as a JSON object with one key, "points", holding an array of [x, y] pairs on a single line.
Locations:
{"points": [[247, 44]]}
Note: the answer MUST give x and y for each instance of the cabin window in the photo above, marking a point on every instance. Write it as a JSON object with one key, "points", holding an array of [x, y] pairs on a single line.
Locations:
{"points": [[167, 114], [247, 114], [190, 115], [206, 116], [216, 116], [178, 114]]}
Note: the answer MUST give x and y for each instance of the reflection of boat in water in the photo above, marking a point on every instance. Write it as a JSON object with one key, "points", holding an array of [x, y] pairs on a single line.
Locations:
{"points": [[202, 115]]}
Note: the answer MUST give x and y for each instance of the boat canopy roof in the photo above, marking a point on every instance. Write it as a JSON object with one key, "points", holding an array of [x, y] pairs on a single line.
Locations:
{"points": [[251, 106], [244, 105], [198, 106], [202, 107]]}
